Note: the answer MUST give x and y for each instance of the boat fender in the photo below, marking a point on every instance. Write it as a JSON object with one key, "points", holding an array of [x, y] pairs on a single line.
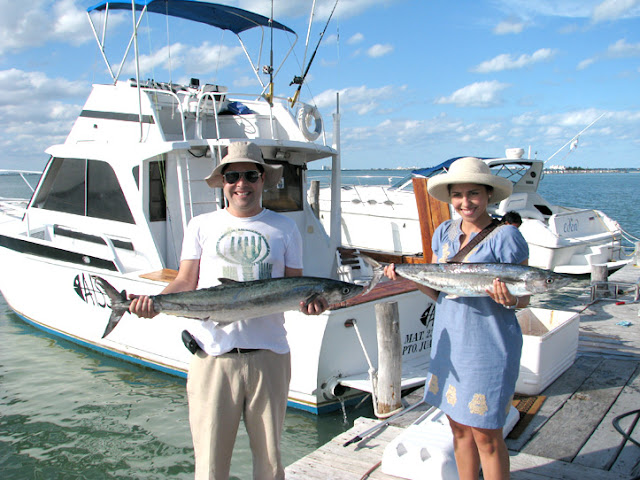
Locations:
{"points": [[307, 115]]}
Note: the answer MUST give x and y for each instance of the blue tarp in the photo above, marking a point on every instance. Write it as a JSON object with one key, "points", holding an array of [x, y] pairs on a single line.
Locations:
{"points": [[221, 16]]}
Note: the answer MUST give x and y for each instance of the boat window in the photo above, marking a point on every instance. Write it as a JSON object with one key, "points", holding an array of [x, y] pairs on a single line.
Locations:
{"points": [[83, 187], [287, 195], [157, 192]]}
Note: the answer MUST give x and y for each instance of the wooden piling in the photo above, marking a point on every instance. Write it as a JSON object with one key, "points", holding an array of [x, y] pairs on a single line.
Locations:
{"points": [[314, 197], [389, 359], [599, 277]]}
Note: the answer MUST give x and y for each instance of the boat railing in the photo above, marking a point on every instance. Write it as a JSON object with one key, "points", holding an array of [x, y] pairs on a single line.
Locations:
{"points": [[203, 104]]}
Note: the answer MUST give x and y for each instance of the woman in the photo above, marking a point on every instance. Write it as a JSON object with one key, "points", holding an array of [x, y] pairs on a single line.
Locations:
{"points": [[477, 341]]}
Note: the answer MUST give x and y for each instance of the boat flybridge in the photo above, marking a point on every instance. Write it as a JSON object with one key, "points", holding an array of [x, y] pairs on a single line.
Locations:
{"points": [[117, 195], [563, 239]]}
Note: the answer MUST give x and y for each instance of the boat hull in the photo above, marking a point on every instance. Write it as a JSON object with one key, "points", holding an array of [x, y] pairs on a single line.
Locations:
{"points": [[64, 300]]}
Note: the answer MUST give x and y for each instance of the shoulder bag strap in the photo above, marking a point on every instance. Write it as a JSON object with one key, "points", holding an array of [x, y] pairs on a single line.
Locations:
{"points": [[458, 257]]}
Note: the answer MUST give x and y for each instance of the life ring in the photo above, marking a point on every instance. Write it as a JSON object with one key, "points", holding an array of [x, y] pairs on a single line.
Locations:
{"points": [[306, 115]]}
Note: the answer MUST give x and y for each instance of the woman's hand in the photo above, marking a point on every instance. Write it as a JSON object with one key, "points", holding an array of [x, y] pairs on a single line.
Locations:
{"points": [[316, 307], [142, 306], [501, 294]]}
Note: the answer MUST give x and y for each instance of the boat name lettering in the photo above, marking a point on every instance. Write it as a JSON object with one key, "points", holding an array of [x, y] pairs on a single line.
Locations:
{"points": [[418, 346], [571, 226], [86, 288], [420, 340]]}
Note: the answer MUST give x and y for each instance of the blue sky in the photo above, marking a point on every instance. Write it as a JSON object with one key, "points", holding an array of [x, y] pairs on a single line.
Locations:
{"points": [[419, 81]]}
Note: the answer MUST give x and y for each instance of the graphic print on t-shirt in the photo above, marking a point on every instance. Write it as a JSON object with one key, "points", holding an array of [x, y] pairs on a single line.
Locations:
{"points": [[245, 250]]}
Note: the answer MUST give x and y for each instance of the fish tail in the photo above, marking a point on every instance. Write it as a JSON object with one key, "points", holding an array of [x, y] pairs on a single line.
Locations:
{"points": [[378, 272], [117, 304]]}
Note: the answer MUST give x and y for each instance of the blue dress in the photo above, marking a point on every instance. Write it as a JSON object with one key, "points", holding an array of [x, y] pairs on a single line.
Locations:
{"points": [[475, 353]]}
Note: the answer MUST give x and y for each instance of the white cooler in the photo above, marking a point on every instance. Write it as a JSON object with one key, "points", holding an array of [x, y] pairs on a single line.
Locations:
{"points": [[424, 451], [550, 344]]}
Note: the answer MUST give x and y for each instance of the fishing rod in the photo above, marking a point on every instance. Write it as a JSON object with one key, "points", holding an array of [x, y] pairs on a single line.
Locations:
{"points": [[300, 80], [384, 423], [269, 69]]}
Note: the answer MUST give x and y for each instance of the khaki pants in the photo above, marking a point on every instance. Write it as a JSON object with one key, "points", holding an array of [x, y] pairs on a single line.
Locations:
{"points": [[221, 390]]}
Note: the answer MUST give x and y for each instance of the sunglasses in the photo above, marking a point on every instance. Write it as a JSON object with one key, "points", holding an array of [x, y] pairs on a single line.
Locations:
{"points": [[250, 176]]}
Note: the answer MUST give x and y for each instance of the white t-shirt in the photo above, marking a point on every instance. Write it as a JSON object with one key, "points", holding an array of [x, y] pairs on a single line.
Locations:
{"points": [[242, 249]]}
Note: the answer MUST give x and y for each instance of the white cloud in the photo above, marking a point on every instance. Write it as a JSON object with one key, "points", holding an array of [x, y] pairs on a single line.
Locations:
{"points": [[31, 24], [615, 9], [302, 9], [36, 88], [506, 61], [379, 50], [509, 26], [585, 63], [40, 119], [362, 100], [205, 58], [479, 94], [623, 49], [620, 49], [356, 38]]}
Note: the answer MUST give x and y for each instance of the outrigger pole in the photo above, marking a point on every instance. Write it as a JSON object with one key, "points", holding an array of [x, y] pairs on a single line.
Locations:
{"points": [[574, 139], [300, 80]]}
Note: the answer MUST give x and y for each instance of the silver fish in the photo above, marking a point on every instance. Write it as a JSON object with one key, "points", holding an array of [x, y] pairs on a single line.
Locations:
{"points": [[231, 300], [473, 279]]}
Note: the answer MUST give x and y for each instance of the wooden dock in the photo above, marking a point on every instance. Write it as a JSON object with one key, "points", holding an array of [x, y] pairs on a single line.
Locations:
{"points": [[570, 437]]}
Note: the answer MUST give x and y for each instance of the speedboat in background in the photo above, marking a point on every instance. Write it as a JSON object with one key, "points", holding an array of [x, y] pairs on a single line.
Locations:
{"points": [[563, 239]]}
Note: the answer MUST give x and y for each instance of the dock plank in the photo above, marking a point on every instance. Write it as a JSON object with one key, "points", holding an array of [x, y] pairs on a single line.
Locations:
{"points": [[557, 394], [525, 466], [604, 446], [565, 433]]}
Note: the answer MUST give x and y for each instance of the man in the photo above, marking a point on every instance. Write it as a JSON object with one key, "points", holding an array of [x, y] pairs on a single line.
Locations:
{"points": [[241, 369]]}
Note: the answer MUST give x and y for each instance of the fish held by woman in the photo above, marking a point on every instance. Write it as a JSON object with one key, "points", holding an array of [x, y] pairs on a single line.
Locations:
{"points": [[232, 300], [474, 279]]}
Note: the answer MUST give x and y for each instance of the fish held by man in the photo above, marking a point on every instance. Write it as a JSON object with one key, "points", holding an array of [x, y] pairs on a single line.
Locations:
{"points": [[474, 279], [232, 300]]}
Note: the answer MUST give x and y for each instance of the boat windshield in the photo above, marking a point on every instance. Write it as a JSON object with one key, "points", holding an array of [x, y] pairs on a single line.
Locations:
{"points": [[510, 170]]}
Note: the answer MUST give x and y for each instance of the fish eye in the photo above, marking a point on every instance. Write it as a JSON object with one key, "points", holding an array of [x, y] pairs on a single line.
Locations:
{"points": [[346, 290], [549, 280]]}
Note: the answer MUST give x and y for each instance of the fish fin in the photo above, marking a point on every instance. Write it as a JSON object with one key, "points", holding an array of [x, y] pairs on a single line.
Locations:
{"points": [[228, 281], [118, 308], [378, 272]]}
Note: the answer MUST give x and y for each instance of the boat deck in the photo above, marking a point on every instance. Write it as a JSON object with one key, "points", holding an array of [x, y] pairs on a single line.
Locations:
{"points": [[571, 436]]}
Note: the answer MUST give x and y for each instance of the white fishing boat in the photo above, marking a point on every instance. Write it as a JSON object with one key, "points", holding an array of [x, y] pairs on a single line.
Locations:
{"points": [[563, 239], [115, 197]]}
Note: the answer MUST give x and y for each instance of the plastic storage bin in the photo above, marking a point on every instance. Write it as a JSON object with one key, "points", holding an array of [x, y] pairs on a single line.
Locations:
{"points": [[550, 344]]}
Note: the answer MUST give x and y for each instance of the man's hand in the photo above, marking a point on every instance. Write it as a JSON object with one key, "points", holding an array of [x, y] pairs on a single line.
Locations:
{"points": [[142, 306]]}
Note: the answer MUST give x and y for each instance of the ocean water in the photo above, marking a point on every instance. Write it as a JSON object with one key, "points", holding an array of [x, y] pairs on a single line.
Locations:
{"points": [[69, 413]]}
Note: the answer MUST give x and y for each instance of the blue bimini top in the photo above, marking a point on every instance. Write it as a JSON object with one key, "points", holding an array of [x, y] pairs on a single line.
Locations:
{"points": [[222, 16]]}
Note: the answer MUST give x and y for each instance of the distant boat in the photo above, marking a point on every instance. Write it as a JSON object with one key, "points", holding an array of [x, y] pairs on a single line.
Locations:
{"points": [[562, 239]]}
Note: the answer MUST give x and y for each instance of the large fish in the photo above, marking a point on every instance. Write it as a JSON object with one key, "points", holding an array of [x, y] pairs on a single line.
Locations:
{"points": [[473, 279], [231, 300]]}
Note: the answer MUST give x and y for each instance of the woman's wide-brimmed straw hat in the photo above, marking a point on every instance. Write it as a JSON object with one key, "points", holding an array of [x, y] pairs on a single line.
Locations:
{"points": [[238, 152], [469, 170]]}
